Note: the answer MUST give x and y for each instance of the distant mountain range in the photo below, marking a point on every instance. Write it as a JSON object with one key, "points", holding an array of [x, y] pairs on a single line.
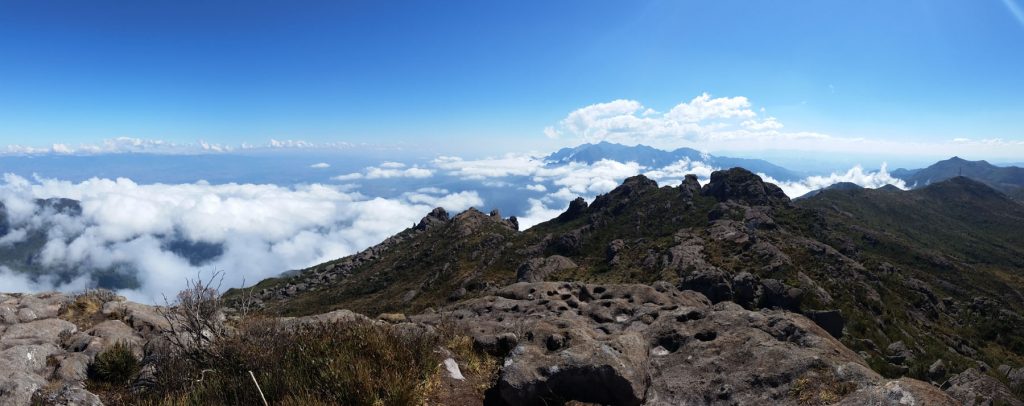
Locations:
{"points": [[1007, 179], [653, 157]]}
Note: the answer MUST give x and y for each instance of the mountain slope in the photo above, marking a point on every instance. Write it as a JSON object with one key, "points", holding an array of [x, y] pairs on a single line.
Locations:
{"points": [[1008, 179], [655, 158], [905, 278]]}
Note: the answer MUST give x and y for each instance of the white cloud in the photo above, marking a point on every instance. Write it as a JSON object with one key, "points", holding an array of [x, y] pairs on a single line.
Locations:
{"points": [[856, 175], [508, 165], [388, 170], [121, 145], [539, 213], [321, 165], [264, 229], [537, 188], [674, 173], [733, 124]]}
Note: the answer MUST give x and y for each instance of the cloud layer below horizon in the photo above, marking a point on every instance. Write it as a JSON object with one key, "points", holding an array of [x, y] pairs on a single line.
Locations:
{"points": [[266, 229]]}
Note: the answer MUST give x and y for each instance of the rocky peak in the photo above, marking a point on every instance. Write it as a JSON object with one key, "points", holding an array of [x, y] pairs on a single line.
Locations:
{"points": [[437, 216], [472, 219], [630, 188], [690, 185], [576, 208], [741, 185]]}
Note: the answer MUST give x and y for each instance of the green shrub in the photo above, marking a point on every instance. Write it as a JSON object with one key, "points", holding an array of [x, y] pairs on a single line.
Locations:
{"points": [[116, 365]]}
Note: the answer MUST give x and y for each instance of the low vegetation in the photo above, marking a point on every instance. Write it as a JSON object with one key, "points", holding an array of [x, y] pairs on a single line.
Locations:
{"points": [[209, 361]]}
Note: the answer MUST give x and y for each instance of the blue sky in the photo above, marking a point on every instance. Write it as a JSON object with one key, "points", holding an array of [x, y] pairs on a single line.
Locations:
{"points": [[487, 77]]}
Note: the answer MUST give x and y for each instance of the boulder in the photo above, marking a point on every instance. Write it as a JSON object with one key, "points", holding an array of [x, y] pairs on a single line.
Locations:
{"points": [[775, 294], [113, 332], [38, 332], [17, 387], [830, 320], [71, 394], [72, 367], [899, 353], [937, 371], [27, 358], [537, 269], [712, 282], [974, 387]]}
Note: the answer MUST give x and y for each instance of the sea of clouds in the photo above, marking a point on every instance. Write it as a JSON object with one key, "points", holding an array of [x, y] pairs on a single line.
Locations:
{"points": [[266, 229]]}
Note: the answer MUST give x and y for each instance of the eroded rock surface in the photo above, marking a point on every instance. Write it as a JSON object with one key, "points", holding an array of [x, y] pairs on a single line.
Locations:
{"points": [[656, 345], [45, 358]]}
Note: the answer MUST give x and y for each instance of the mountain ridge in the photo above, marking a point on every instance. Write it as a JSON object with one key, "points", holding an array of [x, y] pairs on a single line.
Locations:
{"points": [[654, 158], [1007, 179]]}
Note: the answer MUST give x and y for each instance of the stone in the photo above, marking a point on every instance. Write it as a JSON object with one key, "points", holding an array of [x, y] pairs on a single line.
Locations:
{"points": [[27, 358], [741, 185], [636, 344], [113, 332], [899, 353], [776, 294], [690, 186], [713, 283], [746, 289], [38, 332], [937, 371], [974, 387], [17, 387], [903, 392], [72, 394], [392, 317], [577, 207], [830, 320], [146, 320], [537, 269], [498, 345], [436, 217], [72, 367]]}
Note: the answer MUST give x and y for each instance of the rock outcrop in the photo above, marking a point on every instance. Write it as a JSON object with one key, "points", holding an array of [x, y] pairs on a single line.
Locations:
{"points": [[656, 345], [45, 355]]}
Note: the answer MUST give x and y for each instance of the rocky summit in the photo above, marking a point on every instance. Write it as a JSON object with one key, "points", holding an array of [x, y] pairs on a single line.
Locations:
{"points": [[884, 292], [726, 293]]}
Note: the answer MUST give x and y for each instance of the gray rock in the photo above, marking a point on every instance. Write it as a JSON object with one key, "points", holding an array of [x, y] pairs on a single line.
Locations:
{"points": [[937, 371], [634, 344], [146, 320], [17, 387], [830, 320], [46, 331], [498, 345], [899, 353], [712, 282], [973, 387], [72, 367], [776, 294], [113, 332], [9, 315], [903, 392], [536, 269], [71, 395], [27, 358]]}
